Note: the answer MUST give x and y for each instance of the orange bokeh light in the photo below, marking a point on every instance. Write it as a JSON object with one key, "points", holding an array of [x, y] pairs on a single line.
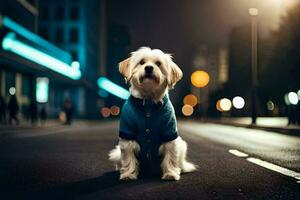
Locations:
{"points": [[218, 106], [115, 110], [187, 110], [200, 78], [190, 99], [105, 112]]}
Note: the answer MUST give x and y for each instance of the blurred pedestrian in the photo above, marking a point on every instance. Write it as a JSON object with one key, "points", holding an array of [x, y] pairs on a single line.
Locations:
{"points": [[43, 115], [13, 109], [33, 112], [68, 108], [2, 110]]}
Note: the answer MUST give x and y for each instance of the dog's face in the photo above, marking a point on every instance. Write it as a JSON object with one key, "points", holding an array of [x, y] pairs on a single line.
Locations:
{"points": [[146, 69]]}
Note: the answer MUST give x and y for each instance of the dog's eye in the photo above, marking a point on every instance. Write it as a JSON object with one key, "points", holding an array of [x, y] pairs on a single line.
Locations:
{"points": [[158, 63], [142, 62]]}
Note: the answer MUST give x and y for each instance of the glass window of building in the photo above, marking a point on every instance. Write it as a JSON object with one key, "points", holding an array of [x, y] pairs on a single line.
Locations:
{"points": [[59, 35], [26, 86], [74, 55], [59, 12], [44, 12], [73, 35], [74, 13], [44, 32]]}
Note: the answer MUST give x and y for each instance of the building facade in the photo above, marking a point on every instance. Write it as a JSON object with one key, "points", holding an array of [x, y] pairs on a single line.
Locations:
{"points": [[75, 27], [64, 33]]}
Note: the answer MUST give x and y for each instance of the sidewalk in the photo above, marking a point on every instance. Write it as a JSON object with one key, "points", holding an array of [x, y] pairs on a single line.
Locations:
{"points": [[275, 124]]}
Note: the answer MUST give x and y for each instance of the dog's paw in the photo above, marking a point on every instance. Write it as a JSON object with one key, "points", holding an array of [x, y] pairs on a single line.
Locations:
{"points": [[128, 177], [171, 177]]}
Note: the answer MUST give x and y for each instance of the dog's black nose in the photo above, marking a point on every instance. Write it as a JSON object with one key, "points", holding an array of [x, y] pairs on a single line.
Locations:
{"points": [[148, 69]]}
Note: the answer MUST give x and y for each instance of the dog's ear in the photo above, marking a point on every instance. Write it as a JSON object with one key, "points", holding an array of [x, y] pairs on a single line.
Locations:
{"points": [[124, 68], [175, 74]]}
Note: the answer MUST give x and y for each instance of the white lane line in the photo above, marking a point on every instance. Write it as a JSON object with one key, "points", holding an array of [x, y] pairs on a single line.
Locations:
{"points": [[265, 164], [237, 153], [276, 168]]}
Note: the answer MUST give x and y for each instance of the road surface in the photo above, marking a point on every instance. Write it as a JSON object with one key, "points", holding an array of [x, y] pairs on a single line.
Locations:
{"points": [[63, 162]]}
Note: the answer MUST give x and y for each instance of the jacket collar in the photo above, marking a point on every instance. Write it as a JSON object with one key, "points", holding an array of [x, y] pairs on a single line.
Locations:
{"points": [[148, 102]]}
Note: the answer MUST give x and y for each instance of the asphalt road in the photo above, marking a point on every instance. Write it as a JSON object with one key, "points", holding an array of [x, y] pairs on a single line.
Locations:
{"points": [[71, 163]]}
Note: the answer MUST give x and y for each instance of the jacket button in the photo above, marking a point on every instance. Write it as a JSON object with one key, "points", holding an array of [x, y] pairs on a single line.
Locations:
{"points": [[148, 156], [148, 114], [147, 130]]}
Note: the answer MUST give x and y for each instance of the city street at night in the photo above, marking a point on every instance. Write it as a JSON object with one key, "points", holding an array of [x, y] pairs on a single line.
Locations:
{"points": [[70, 162], [94, 93]]}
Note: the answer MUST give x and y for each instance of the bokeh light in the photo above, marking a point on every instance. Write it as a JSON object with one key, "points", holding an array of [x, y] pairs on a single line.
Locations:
{"points": [[218, 106], [270, 105], [105, 112], [253, 11], [102, 93], [238, 102], [187, 110], [190, 99], [115, 110], [225, 104], [12, 90], [62, 117], [200, 78], [293, 98]]}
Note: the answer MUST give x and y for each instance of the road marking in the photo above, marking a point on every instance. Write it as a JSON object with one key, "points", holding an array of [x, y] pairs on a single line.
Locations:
{"points": [[276, 168], [237, 153], [268, 165]]}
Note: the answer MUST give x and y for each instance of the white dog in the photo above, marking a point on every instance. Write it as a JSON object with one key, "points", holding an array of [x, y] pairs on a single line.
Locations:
{"points": [[148, 128]]}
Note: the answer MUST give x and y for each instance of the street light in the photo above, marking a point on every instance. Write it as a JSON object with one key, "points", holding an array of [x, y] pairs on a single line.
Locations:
{"points": [[254, 12], [200, 79]]}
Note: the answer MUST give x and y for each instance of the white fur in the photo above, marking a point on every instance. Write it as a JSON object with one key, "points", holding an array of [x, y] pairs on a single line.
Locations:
{"points": [[124, 156], [165, 77]]}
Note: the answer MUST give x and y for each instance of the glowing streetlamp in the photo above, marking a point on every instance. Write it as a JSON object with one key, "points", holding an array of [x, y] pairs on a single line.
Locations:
{"points": [[254, 12]]}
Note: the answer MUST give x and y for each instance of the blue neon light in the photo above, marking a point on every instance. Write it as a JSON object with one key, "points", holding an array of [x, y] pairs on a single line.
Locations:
{"points": [[63, 55], [113, 88], [10, 43]]}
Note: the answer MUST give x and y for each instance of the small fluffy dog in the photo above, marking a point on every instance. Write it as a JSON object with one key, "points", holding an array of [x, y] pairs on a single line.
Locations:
{"points": [[148, 128]]}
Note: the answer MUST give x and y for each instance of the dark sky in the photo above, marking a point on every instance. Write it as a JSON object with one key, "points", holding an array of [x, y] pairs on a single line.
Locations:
{"points": [[180, 26]]}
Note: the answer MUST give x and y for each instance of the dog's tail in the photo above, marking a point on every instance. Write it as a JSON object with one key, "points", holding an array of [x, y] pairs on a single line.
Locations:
{"points": [[185, 165], [188, 167], [115, 154]]}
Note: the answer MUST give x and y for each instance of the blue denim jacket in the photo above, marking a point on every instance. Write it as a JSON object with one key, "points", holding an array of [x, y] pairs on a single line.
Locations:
{"points": [[149, 124]]}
